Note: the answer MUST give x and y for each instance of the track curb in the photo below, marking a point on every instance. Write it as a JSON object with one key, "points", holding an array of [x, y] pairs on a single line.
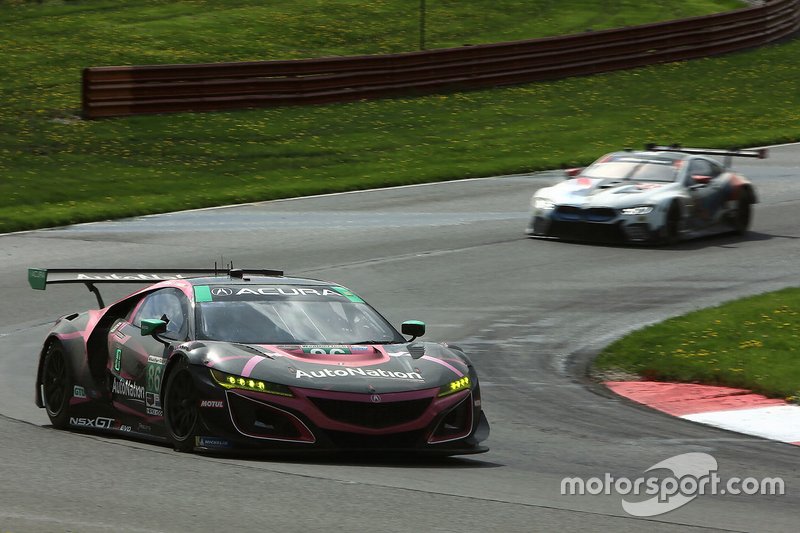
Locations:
{"points": [[738, 410]]}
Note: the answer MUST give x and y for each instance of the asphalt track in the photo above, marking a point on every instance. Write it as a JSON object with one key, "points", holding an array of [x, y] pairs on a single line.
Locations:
{"points": [[530, 312]]}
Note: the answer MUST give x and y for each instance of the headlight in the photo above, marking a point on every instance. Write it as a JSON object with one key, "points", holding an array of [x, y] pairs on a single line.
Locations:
{"points": [[542, 203], [230, 381], [638, 210], [454, 386]]}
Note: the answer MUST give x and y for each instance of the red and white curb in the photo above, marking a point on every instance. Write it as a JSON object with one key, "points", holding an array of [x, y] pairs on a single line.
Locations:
{"points": [[736, 410]]}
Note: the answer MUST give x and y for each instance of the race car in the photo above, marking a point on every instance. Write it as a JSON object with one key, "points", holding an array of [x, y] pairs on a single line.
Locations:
{"points": [[659, 195], [253, 360]]}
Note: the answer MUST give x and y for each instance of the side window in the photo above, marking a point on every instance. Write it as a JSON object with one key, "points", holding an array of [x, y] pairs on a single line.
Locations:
{"points": [[704, 167], [169, 303], [716, 169]]}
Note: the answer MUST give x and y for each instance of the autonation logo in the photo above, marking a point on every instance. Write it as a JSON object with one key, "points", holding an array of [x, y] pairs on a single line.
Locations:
{"points": [[692, 475]]}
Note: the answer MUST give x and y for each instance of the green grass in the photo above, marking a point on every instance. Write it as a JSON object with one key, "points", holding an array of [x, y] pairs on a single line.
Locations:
{"points": [[753, 343], [57, 169]]}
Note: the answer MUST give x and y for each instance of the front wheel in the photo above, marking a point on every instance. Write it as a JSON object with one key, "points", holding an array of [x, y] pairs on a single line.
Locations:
{"points": [[57, 385], [181, 412], [741, 221], [671, 228]]}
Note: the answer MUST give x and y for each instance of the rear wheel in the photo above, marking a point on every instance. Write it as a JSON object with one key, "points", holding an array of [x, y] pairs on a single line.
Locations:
{"points": [[57, 385], [741, 221], [181, 412]]}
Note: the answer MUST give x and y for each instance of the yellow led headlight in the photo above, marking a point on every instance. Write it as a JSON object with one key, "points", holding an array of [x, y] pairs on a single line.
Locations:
{"points": [[455, 386], [230, 381]]}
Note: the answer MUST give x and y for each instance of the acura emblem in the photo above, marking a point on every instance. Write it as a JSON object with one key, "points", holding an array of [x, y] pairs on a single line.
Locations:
{"points": [[376, 398], [221, 291]]}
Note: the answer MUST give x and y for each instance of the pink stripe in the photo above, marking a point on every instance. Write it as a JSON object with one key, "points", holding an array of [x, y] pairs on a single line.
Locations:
{"points": [[251, 364], [444, 364]]}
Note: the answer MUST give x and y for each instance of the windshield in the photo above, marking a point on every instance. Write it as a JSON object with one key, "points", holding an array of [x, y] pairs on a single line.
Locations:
{"points": [[634, 168], [290, 315]]}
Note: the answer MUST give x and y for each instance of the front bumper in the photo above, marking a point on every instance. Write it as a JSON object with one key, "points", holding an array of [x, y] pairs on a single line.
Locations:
{"points": [[320, 420], [611, 229]]}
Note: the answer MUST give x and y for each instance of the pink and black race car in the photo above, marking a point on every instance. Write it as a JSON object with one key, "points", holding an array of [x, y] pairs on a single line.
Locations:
{"points": [[253, 360]]}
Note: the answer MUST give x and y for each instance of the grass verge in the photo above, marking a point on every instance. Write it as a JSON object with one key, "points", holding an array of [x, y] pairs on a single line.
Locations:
{"points": [[753, 343], [58, 169]]}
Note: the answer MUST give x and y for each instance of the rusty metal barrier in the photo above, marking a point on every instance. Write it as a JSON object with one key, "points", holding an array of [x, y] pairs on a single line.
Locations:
{"points": [[131, 90]]}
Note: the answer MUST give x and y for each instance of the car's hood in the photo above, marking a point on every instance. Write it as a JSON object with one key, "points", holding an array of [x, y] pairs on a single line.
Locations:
{"points": [[588, 192], [347, 368]]}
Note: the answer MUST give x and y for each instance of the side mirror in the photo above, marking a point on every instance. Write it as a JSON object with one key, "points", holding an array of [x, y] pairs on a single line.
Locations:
{"points": [[153, 326], [415, 328], [572, 172], [701, 180]]}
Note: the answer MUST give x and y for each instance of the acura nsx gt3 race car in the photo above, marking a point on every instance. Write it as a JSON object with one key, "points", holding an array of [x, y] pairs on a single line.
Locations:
{"points": [[253, 360], [658, 195]]}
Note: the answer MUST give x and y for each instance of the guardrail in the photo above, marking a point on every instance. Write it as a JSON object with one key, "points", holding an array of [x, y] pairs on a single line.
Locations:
{"points": [[130, 90]]}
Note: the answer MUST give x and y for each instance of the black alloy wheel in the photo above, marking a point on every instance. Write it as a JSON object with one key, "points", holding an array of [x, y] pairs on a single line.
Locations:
{"points": [[57, 385], [181, 412]]}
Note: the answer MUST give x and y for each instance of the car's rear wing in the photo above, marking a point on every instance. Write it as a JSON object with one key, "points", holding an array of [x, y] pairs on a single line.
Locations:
{"points": [[761, 153], [40, 278]]}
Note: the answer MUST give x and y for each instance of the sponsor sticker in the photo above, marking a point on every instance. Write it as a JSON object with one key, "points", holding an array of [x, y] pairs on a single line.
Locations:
{"points": [[78, 392], [128, 389], [216, 404], [134, 277], [211, 442], [329, 350], [206, 293], [358, 371], [285, 291], [152, 399], [152, 402]]}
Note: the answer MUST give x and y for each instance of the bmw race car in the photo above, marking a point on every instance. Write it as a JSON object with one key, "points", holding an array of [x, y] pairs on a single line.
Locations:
{"points": [[658, 195], [253, 360]]}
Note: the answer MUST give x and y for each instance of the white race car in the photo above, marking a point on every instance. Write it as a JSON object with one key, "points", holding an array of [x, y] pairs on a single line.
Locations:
{"points": [[658, 195]]}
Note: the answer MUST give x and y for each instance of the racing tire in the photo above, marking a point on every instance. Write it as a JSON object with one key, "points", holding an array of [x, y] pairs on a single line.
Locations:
{"points": [[671, 228], [180, 404], [741, 221], [57, 384]]}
